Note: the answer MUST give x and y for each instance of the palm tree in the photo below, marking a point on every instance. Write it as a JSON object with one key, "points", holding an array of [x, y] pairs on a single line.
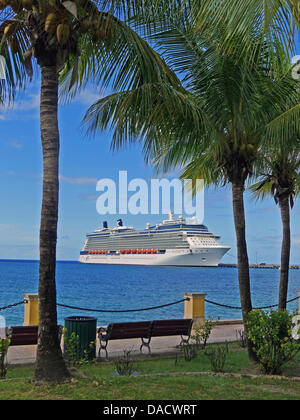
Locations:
{"points": [[280, 178], [213, 129], [90, 44]]}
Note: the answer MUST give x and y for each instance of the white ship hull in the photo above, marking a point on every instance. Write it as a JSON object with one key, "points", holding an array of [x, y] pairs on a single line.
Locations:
{"points": [[206, 257]]}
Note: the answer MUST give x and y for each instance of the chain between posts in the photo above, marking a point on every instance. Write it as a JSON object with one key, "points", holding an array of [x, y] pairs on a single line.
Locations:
{"points": [[145, 309]]}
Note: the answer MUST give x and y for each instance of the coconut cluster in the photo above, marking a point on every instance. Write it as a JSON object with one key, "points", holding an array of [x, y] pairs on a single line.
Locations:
{"points": [[59, 24], [10, 28], [16, 5], [57, 21]]}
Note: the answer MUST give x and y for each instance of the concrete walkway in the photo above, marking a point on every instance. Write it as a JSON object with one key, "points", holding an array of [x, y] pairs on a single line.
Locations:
{"points": [[24, 355]]}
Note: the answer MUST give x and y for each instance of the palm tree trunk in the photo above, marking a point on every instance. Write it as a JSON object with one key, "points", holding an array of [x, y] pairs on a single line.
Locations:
{"points": [[50, 366], [243, 261], [285, 252]]}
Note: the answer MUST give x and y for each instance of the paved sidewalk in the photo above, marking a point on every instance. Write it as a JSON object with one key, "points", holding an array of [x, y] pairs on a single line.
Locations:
{"points": [[23, 355]]}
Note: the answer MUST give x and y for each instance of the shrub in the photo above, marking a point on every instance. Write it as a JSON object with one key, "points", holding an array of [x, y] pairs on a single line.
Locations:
{"points": [[241, 338], [124, 365], [73, 353], [271, 335], [202, 331], [189, 351], [71, 348], [217, 356], [4, 344]]}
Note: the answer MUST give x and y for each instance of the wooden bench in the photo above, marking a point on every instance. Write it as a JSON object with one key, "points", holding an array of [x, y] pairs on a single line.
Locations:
{"points": [[22, 336], [123, 330], [25, 336], [145, 331]]}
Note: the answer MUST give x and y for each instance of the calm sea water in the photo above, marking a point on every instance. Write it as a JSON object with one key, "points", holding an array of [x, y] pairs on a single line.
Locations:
{"points": [[128, 287]]}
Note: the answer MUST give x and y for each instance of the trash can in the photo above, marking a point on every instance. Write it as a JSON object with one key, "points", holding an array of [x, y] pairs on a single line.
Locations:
{"points": [[85, 328]]}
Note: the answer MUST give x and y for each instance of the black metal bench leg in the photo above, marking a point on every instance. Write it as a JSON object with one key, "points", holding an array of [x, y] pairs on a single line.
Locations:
{"points": [[145, 344], [184, 340], [103, 348]]}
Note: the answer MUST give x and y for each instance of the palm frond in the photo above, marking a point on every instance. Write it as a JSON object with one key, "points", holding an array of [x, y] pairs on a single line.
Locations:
{"points": [[121, 60], [273, 20], [261, 189], [149, 113], [15, 74]]}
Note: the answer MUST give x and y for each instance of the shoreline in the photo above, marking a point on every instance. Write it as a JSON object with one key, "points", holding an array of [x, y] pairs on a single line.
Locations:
{"points": [[222, 265]]}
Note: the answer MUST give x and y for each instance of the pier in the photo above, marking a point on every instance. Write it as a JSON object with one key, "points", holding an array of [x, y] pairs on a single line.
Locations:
{"points": [[265, 266]]}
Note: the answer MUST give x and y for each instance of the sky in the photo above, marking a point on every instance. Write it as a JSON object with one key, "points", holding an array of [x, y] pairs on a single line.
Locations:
{"points": [[84, 161]]}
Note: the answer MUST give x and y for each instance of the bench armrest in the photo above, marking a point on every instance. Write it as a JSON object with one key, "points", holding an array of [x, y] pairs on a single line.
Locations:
{"points": [[102, 332], [8, 332], [102, 329]]}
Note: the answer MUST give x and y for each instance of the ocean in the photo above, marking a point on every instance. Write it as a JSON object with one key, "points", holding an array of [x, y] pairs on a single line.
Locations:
{"points": [[116, 287]]}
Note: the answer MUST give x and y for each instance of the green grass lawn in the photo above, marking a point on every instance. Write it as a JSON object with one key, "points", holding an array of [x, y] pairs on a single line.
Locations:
{"points": [[97, 382]]}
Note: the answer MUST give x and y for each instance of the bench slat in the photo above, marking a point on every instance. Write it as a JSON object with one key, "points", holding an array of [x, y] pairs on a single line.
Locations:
{"points": [[23, 340], [164, 328], [23, 336], [118, 331], [32, 329]]}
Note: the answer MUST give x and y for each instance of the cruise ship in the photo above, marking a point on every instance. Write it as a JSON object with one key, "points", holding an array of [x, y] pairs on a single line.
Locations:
{"points": [[174, 242]]}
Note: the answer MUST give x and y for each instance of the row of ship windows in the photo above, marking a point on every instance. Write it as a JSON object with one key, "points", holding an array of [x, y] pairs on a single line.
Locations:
{"points": [[156, 243], [144, 235], [205, 242], [122, 252], [149, 238], [130, 251], [161, 245], [89, 248], [132, 245], [117, 248], [202, 240]]}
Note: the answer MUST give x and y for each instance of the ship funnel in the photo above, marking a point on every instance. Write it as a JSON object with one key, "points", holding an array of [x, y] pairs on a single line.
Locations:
{"points": [[105, 225], [120, 223]]}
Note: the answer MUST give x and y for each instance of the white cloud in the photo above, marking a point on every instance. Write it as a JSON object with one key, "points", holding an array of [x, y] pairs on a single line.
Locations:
{"points": [[78, 181], [32, 102], [88, 197], [89, 96], [7, 173], [26, 106], [15, 144], [296, 240], [5, 226], [22, 252]]}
